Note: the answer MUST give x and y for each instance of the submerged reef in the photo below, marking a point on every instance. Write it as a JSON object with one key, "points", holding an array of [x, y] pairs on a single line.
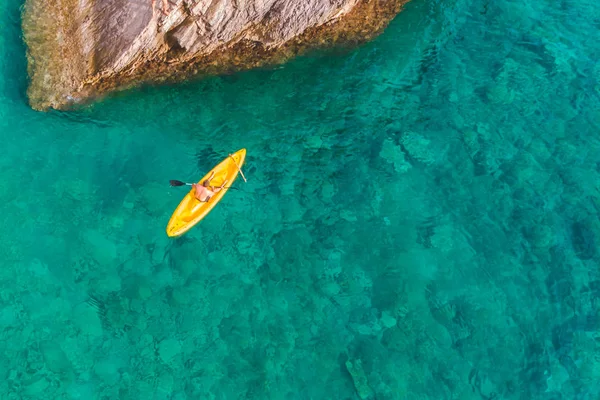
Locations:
{"points": [[440, 223]]}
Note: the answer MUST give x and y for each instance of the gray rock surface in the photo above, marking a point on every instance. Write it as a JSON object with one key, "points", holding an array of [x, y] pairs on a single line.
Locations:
{"points": [[79, 50]]}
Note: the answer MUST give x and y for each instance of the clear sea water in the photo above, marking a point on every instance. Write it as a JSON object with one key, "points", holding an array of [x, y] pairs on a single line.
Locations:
{"points": [[421, 221]]}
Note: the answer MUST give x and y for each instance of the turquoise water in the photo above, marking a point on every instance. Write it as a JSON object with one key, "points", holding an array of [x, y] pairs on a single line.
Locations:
{"points": [[420, 221]]}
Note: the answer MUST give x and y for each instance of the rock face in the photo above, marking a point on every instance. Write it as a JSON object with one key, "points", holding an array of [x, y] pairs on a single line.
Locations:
{"points": [[81, 49]]}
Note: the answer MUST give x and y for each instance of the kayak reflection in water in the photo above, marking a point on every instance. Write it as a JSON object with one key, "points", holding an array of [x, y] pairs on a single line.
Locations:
{"points": [[205, 191]]}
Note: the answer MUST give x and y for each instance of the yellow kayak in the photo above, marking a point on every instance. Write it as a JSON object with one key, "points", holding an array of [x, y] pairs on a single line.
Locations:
{"points": [[190, 211]]}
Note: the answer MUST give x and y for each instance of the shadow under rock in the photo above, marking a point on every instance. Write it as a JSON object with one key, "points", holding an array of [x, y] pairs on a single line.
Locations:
{"points": [[584, 240], [13, 64]]}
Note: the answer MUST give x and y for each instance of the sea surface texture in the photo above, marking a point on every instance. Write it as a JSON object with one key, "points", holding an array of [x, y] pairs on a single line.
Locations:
{"points": [[420, 221]]}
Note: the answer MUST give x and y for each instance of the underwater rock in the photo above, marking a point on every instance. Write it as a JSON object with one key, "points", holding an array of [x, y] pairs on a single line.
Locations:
{"points": [[102, 249], [360, 379], [54, 357], [387, 320], [557, 377], [394, 155], [169, 349], [80, 50], [36, 387], [418, 147]]}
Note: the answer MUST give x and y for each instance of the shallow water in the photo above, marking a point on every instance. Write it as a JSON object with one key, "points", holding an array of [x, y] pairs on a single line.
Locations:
{"points": [[425, 207]]}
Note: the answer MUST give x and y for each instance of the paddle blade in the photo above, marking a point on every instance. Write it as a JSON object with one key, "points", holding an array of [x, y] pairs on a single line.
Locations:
{"points": [[176, 183]]}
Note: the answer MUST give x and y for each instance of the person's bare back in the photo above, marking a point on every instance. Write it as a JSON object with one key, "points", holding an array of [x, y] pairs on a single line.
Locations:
{"points": [[204, 192]]}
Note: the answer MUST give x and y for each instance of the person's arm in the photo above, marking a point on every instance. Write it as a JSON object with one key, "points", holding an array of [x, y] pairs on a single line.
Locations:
{"points": [[221, 187], [211, 187]]}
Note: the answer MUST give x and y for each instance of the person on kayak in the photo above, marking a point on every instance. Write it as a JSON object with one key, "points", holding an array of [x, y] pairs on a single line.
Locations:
{"points": [[205, 191]]}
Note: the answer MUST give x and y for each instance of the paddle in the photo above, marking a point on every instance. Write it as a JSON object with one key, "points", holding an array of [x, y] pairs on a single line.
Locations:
{"points": [[175, 182], [239, 169], [179, 183]]}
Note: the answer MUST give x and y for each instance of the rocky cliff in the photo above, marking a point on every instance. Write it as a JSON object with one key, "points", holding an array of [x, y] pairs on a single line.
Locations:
{"points": [[81, 49]]}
